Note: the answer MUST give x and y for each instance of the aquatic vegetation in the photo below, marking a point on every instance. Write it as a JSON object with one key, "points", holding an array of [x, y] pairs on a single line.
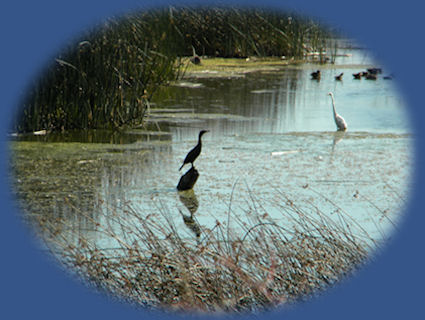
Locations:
{"points": [[232, 32], [152, 265], [106, 78]]}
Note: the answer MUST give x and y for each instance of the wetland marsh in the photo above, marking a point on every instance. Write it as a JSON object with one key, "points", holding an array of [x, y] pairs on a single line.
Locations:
{"points": [[272, 147], [284, 205]]}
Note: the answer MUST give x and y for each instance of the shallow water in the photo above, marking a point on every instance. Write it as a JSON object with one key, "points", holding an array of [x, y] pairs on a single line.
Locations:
{"points": [[272, 137]]}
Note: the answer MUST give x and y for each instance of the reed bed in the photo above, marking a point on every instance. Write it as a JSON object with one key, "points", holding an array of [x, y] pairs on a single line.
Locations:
{"points": [[240, 33], [218, 270], [103, 80], [106, 78]]}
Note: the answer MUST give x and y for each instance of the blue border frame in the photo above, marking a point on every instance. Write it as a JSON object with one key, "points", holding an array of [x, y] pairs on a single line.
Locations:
{"points": [[33, 287]]}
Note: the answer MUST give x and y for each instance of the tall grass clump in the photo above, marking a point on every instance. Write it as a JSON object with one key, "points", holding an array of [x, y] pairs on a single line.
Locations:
{"points": [[262, 265], [243, 32], [103, 80]]}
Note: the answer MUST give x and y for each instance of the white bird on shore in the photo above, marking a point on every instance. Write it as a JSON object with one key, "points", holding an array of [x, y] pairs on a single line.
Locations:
{"points": [[339, 121]]}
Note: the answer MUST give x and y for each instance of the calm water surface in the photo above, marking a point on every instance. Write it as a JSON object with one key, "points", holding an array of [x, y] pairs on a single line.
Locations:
{"points": [[272, 137]]}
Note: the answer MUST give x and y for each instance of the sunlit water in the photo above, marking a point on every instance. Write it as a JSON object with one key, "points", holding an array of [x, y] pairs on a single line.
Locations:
{"points": [[272, 137]]}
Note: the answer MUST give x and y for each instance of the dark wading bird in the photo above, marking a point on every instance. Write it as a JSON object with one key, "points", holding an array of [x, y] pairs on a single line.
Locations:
{"points": [[194, 153], [339, 121]]}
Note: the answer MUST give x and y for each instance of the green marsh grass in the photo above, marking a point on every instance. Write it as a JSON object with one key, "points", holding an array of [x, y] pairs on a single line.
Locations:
{"points": [[104, 80]]}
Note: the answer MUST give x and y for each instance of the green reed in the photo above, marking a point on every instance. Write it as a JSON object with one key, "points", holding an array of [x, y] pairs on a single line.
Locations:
{"points": [[103, 80], [236, 32]]}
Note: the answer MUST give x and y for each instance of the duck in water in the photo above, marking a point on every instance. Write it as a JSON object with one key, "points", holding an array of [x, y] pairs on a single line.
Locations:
{"points": [[339, 77], [316, 75]]}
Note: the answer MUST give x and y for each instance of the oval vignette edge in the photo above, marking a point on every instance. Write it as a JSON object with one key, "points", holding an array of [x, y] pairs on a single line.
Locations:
{"points": [[57, 275]]}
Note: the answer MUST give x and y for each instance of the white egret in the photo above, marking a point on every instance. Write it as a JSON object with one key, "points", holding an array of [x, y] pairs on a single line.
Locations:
{"points": [[339, 121]]}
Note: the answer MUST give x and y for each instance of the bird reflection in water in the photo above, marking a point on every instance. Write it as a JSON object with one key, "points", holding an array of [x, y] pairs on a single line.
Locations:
{"points": [[189, 200], [192, 225], [337, 137]]}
